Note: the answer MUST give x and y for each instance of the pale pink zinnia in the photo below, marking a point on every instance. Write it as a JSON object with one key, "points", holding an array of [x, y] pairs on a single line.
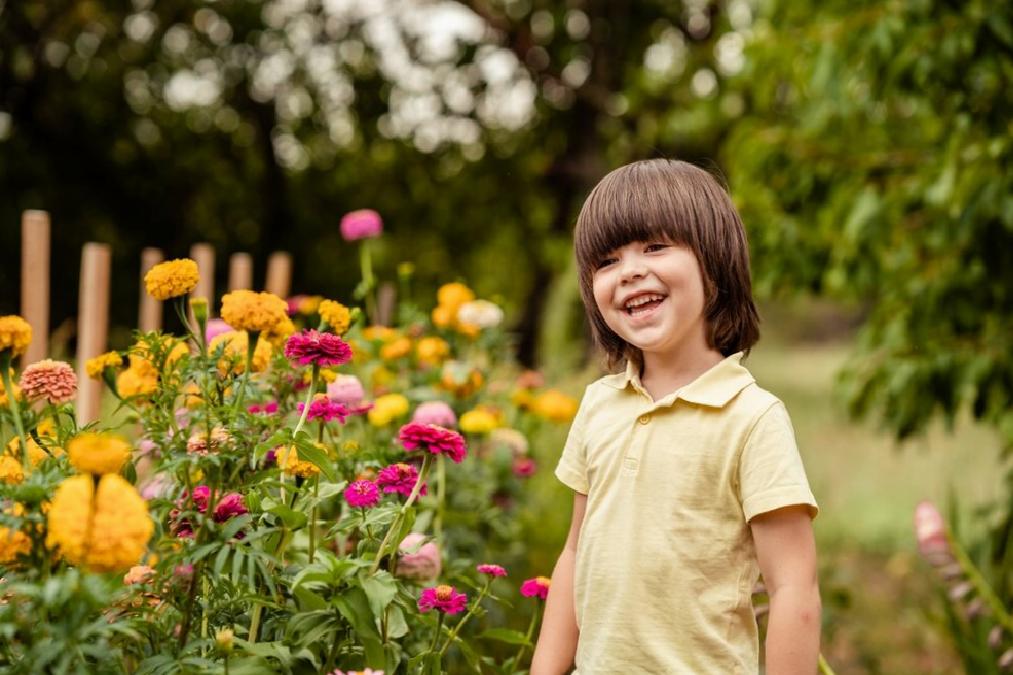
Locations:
{"points": [[324, 410], [400, 478], [492, 570], [443, 598], [435, 412], [215, 328], [537, 587], [419, 559], [346, 390], [47, 379], [361, 224], [320, 349], [435, 439], [362, 494]]}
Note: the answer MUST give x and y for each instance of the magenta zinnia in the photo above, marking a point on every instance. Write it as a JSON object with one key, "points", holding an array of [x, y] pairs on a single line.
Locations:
{"points": [[361, 224], [400, 478], [362, 494], [492, 570], [316, 348], [52, 380], [443, 598], [435, 439], [324, 409], [537, 587], [230, 506]]}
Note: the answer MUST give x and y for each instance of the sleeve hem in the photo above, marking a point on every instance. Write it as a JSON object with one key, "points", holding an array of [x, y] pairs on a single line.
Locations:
{"points": [[777, 499], [571, 479]]}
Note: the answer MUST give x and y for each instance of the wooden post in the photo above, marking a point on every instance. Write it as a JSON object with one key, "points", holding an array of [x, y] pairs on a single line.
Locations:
{"points": [[279, 274], [204, 256], [35, 281], [149, 314], [386, 303], [240, 271], [92, 326]]}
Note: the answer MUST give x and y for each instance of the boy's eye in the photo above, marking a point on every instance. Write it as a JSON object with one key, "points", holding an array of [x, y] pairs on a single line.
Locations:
{"points": [[605, 262], [656, 247]]}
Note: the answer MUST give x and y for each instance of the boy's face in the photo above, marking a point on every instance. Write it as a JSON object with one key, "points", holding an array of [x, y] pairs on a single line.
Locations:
{"points": [[651, 294]]}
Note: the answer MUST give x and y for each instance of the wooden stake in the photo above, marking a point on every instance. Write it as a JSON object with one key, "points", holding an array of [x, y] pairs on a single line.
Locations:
{"points": [[240, 271], [279, 274], [35, 281], [386, 302], [149, 313], [92, 326], [204, 256]]}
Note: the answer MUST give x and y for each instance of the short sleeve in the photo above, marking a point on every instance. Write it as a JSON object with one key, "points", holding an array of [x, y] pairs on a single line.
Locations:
{"points": [[572, 467], [771, 475]]}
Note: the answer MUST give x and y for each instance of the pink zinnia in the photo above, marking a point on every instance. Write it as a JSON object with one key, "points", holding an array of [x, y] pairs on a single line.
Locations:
{"points": [[400, 478], [268, 408], [537, 587], [443, 598], [215, 328], [230, 506], [362, 494], [524, 467], [435, 439], [321, 349], [52, 380], [492, 570], [361, 224], [435, 412], [324, 409], [424, 564], [346, 390]]}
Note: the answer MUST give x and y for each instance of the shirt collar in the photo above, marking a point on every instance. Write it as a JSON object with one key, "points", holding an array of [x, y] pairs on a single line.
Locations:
{"points": [[715, 387]]}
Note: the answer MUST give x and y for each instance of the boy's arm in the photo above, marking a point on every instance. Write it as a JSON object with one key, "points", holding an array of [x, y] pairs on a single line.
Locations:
{"points": [[557, 641], [786, 553]]}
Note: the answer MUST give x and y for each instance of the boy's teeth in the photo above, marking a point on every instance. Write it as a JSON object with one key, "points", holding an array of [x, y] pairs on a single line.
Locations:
{"points": [[642, 300]]}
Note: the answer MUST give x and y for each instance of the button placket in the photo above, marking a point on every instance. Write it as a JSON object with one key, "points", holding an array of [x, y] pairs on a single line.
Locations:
{"points": [[631, 461]]}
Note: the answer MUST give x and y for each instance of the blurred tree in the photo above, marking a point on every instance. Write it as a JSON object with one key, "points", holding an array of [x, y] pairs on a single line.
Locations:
{"points": [[475, 127]]}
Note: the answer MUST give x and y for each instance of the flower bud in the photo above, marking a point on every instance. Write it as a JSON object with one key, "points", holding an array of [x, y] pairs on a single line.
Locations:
{"points": [[225, 640], [995, 637]]}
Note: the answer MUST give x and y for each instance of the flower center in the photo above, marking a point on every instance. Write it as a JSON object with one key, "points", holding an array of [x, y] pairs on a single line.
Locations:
{"points": [[443, 592]]}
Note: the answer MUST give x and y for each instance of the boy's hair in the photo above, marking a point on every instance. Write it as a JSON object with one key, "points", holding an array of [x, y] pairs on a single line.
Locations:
{"points": [[660, 199]]}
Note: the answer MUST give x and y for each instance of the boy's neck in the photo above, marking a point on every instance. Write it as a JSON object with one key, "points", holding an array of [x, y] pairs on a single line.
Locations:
{"points": [[663, 373]]}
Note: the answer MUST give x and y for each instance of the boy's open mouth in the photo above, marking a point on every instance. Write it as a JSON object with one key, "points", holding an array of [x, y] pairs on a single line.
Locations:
{"points": [[642, 304]]}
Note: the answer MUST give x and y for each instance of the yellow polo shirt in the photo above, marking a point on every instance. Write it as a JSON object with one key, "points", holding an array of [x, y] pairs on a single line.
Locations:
{"points": [[665, 563]]}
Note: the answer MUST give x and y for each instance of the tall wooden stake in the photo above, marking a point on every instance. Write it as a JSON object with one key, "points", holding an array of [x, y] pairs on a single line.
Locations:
{"points": [[240, 271], [204, 256], [279, 274], [149, 313], [92, 326], [35, 281]]}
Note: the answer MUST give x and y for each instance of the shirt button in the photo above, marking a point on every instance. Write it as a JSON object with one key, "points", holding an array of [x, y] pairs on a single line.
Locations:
{"points": [[644, 419]]}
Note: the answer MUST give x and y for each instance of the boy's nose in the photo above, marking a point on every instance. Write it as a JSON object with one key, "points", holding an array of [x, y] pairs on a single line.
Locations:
{"points": [[631, 270]]}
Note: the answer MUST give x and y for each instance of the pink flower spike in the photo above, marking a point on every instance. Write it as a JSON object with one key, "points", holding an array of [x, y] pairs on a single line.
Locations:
{"points": [[443, 598], [361, 224], [362, 494], [492, 570], [324, 409], [537, 587], [435, 439], [400, 478], [321, 349]]}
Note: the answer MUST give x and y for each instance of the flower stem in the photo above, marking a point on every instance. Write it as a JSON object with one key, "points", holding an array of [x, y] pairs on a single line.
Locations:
{"points": [[309, 399], [251, 346], [531, 631], [825, 668], [366, 265], [464, 619], [5, 366], [441, 497], [427, 461], [436, 637], [313, 516]]}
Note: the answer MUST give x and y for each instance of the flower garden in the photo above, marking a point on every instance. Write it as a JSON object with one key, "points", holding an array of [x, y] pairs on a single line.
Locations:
{"points": [[286, 488]]}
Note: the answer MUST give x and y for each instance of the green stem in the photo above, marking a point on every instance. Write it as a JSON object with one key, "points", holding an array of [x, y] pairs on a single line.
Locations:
{"points": [[464, 619], [309, 399], [825, 668], [531, 631], [5, 366], [313, 516], [441, 497], [366, 265], [251, 347], [436, 637], [396, 525], [980, 585]]}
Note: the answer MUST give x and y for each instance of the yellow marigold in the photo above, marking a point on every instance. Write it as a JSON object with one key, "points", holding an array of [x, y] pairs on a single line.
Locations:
{"points": [[12, 544], [443, 316], [98, 453], [454, 295], [431, 351], [46, 427], [522, 398], [168, 347], [468, 330], [460, 378], [95, 366], [234, 357], [105, 530], [554, 406], [14, 386], [281, 331], [388, 408], [139, 380], [171, 279], [326, 375], [10, 470], [337, 316], [477, 421], [379, 333], [309, 304], [396, 349], [288, 460], [15, 334], [192, 396], [253, 311], [381, 378], [35, 453]]}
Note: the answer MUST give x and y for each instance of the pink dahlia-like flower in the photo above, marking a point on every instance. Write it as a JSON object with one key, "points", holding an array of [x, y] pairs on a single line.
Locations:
{"points": [[230, 506], [268, 408], [443, 598], [324, 409], [215, 328], [346, 390], [361, 224], [419, 559], [321, 349], [400, 478], [492, 570], [524, 467], [47, 379], [537, 587], [435, 412], [435, 439], [362, 494]]}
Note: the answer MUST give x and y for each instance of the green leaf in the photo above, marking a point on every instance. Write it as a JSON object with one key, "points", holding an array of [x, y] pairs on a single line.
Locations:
{"points": [[311, 453], [293, 519], [380, 589], [507, 635]]}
